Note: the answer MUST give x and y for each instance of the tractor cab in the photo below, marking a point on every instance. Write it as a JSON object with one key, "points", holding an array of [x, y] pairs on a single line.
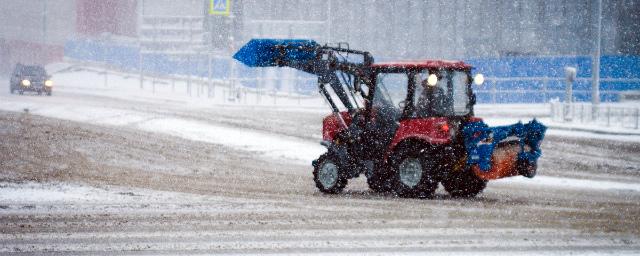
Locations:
{"points": [[428, 101], [423, 89]]}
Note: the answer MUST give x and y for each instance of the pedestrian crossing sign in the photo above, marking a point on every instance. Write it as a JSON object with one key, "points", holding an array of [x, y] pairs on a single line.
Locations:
{"points": [[219, 7]]}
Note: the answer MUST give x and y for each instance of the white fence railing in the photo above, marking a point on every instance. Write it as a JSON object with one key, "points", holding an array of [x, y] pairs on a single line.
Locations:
{"points": [[601, 115]]}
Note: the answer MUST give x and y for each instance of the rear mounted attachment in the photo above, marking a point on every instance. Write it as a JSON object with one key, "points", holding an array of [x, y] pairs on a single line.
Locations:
{"points": [[503, 151]]}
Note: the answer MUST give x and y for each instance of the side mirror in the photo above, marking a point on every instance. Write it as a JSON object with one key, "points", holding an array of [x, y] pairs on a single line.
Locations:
{"points": [[402, 104], [472, 101]]}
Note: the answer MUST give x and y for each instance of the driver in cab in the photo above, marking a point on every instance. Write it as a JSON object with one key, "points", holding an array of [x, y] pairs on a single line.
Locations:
{"points": [[431, 93]]}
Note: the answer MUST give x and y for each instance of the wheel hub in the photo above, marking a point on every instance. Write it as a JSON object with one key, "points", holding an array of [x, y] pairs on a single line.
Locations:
{"points": [[410, 172], [328, 174]]}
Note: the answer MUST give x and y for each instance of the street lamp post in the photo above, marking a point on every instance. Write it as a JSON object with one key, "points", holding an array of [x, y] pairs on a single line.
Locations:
{"points": [[595, 67]]}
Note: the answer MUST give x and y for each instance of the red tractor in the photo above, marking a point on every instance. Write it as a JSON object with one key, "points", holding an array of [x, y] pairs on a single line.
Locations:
{"points": [[406, 126]]}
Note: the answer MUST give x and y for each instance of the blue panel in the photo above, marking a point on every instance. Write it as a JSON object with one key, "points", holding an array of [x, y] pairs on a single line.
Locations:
{"points": [[582, 85], [609, 97], [482, 97], [536, 66], [519, 97], [620, 66], [556, 85], [619, 85], [519, 85]]}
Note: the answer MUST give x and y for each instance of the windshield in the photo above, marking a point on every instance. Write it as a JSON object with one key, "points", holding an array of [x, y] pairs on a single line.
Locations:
{"points": [[33, 71], [448, 97]]}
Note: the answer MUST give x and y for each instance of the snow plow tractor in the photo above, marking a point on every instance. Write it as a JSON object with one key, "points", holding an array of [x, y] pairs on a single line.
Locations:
{"points": [[407, 126]]}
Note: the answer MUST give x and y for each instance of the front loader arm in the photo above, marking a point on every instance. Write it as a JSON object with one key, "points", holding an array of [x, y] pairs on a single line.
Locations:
{"points": [[310, 57]]}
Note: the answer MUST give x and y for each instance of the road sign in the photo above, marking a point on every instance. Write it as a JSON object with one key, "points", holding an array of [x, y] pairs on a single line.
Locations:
{"points": [[220, 7]]}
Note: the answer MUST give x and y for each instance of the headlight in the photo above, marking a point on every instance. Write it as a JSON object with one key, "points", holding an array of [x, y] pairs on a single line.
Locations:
{"points": [[26, 82], [48, 83], [478, 79]]}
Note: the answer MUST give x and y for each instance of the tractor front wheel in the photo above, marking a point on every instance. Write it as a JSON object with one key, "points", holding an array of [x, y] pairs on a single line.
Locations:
{"points": [[329, 175], [463, 184], [415, 172]]}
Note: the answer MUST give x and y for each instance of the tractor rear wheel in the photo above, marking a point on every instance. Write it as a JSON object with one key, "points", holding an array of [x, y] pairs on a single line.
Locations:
{"points": [[328, 175], [414, 172], [463, 184]]}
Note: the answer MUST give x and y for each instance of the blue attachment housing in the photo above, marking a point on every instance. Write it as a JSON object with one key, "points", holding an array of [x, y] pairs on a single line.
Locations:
{"points": [[480, 140], [269, 52]]}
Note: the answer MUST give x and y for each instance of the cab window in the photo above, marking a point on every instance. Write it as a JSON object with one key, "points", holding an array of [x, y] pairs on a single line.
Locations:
{"points": [[432, 100], [391, 93]]}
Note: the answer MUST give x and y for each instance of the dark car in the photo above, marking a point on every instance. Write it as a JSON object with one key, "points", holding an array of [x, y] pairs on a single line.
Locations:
{"points": [[30, 78]]}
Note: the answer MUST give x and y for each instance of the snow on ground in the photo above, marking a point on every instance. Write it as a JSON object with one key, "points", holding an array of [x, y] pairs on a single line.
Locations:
{"points": [[273, 146], [39, 193], [270, 145], [72, 197]]}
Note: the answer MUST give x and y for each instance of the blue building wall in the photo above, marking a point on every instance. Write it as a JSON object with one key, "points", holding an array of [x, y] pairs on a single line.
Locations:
{"points": [[527, 79]]}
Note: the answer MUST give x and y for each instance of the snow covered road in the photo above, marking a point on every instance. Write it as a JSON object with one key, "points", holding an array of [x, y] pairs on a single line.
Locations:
{"points": [[98, 175]]}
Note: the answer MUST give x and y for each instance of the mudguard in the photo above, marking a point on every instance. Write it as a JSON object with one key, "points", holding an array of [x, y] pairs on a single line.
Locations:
{"points": [[482, 144]]}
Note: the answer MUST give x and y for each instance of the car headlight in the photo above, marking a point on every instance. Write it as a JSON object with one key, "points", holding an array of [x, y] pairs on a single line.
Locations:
{"points": [[26, 82], [48, 83]]}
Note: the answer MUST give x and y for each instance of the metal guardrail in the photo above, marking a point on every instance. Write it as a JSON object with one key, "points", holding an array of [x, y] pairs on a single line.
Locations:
{"points": [[602, 115]]}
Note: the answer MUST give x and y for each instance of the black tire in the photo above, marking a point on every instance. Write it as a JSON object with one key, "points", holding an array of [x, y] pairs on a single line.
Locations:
{"points": [[423, 182], [49, 93], [463, 184], [328, 175], [39, 92], [21, 92], [379, 180]]}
